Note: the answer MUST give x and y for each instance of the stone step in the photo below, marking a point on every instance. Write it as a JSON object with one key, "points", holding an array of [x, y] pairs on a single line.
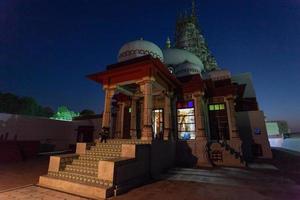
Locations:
{"points": [[125, 141], [92, 191], [80, 178], [96, 158], [114, 146], [101, 149], [82, 170], [85, 163], [101, 153]]}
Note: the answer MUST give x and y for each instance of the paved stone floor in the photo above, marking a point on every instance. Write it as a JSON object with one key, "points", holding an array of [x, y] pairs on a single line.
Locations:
{"points": [[278, 179], [36, 193], [22, 173], [218, 184]]}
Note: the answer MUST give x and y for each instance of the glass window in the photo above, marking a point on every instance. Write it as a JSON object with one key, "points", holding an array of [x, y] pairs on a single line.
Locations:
{"points": [[222, 106], [157, 123], [186, 123], [185, 104], [216, 107]]}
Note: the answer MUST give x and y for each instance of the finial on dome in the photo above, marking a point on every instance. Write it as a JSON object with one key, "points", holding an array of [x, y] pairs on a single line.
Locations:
{"points": [[168, 43]]}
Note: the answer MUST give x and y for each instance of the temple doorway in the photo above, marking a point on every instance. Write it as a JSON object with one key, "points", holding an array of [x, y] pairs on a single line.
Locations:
{"points": [[126, 124], [219, 128], [158, 123]]}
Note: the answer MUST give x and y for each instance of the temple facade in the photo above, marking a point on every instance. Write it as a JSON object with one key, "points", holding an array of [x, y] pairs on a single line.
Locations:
{"points": [[179, 93], [163, 108]]}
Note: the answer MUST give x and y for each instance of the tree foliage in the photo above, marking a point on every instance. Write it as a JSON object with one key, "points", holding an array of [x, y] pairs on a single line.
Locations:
{"points": [[13, 104], [87, 112], [63, 113]]}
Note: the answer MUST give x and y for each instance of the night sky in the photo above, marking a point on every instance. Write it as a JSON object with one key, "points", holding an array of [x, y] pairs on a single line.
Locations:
{"points": [[48, 46]]}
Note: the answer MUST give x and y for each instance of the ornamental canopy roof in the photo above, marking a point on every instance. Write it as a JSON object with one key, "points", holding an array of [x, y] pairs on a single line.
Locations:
{"points": [[135, 70]]}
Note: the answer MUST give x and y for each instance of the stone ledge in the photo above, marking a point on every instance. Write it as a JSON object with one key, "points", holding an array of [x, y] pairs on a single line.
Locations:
{"points": [[59, 162], [76, 188]]}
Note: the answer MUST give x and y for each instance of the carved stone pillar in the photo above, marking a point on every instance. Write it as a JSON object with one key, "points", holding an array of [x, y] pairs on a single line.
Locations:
{"points": [[167, 117], [120, 121], [235, 141], [106, 118], [133, 118], [147, 115], [233, 131], [199, 119], [201, 138]]}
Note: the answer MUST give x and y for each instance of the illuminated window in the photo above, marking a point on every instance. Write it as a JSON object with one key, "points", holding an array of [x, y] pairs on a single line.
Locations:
{"points": [[157, 123], [185, 104], [222, 106], [186, 123], [216, 107], [190, 104], [129, 110]]}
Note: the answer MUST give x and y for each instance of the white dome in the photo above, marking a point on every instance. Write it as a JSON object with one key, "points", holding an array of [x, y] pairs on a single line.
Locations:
{"points": [[187, 68], [175, 56], [139, 48]]}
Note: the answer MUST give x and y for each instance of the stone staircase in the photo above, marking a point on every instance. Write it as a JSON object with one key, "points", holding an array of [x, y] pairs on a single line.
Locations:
{"points": [[222, 154], [79, 173], [233, 152]]}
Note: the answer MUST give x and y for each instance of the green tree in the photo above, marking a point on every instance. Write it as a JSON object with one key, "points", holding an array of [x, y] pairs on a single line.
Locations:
{"points": [[63, 113]]}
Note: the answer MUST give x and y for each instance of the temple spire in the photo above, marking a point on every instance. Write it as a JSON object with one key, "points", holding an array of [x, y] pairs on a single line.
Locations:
{"points": [[193, 8], [188, 36]]}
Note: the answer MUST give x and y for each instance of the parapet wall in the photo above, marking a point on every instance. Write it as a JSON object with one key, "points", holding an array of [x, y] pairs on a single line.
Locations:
{"points": [[44, 130]]}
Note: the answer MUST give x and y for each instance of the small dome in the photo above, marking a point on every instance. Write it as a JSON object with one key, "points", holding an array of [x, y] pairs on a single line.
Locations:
{"points": [[187, 68], [139, 48], [175, 56]]}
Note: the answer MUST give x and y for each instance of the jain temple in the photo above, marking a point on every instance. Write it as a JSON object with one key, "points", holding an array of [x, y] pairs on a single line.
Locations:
{"points": [[164, 107]]}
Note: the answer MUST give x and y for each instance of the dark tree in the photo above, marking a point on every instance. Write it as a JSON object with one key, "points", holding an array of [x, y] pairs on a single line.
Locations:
{"points": [[48, 112], [28, 106], [87, 112], [10, 103]]}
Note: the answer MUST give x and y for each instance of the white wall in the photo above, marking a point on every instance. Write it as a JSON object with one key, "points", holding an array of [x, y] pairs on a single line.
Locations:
{"points": [[248, 122], [276, 142], [288, 143], [291, 144], [60, 133]]}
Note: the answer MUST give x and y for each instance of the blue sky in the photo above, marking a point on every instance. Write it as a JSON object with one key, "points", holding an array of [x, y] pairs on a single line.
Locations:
{"points": [[48, 46]]}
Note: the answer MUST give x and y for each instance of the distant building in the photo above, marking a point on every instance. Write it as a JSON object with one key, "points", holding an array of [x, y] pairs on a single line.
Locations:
{"points": [[277, 128]]}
